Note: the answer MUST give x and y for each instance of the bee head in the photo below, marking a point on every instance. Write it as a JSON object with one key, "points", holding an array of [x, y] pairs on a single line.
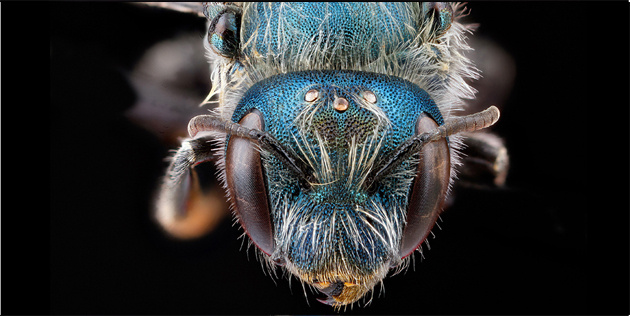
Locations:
{"points": [[333, 231]]}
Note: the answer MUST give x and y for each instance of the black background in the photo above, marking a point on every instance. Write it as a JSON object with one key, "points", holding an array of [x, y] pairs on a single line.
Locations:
{"points": [[520, 250]]}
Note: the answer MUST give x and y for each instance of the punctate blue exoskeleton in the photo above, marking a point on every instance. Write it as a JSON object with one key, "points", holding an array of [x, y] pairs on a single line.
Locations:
{"points": [[337, 131]]}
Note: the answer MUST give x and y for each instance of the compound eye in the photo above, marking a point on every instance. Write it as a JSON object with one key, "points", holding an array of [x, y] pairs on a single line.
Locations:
{"points": [[224, 33], [246, 185], [428, 189], [439, 15]]}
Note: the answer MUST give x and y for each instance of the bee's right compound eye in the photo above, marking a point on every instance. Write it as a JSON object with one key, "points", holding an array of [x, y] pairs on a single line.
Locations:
{"points": [[439, 16], [429, 189], [224, 32], [246, 184]]}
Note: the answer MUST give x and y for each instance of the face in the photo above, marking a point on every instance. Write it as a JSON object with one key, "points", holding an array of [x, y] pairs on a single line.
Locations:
{"points": [[334, 233]]}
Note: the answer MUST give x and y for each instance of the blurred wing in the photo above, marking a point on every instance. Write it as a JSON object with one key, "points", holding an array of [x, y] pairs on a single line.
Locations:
{"points": [[172, 77]]}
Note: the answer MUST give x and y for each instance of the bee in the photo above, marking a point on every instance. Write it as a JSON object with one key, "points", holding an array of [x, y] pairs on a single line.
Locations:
{"points": [[335, 132]]}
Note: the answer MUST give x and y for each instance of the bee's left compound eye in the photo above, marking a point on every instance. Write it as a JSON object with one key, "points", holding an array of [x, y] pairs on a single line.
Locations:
{"points": [[224, 33], [245, 180]]}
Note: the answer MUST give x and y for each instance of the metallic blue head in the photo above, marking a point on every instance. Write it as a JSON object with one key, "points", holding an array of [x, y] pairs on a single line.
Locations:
{"points": [[337, 231]]}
